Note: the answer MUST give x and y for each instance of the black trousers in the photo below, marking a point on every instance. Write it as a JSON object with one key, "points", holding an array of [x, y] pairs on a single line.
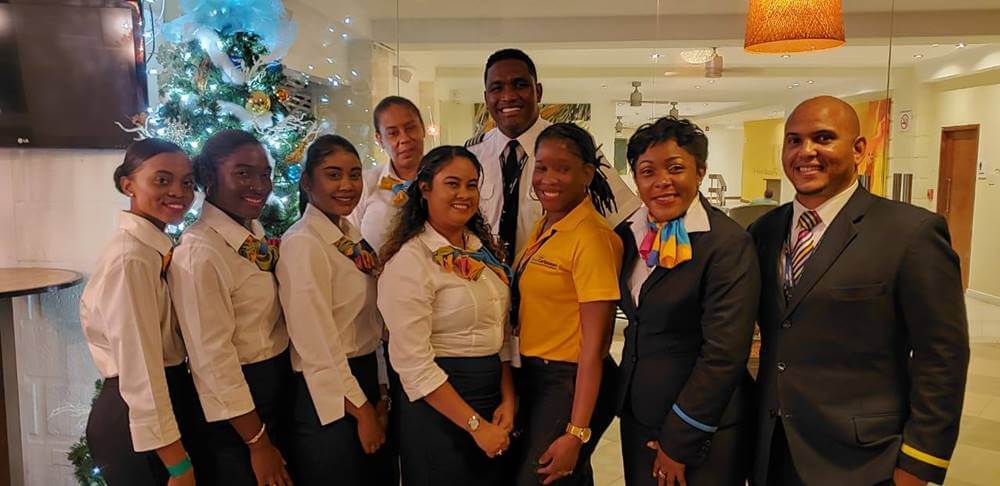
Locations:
{"points": [[545, 390], [269, 383], [322, 455], [728, 461], [110, 440], [436, 452]]}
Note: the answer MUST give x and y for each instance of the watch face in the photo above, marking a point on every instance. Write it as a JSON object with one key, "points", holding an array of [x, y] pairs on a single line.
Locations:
{"points": [[474, 423], [585, 436]]}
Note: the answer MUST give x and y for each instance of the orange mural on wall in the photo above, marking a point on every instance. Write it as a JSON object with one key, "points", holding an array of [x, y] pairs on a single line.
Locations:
{"points": [[875, 125]]}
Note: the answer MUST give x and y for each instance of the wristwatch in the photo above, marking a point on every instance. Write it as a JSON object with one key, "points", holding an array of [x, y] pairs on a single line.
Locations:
{"points": [[582, 433], [473, 423], [387, 400]]}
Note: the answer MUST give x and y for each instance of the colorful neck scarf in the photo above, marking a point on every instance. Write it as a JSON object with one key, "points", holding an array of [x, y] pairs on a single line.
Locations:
{"points": [[361, 253], [469, 265], [666, 244], [398, 188], [166, 262], [260, 253]]}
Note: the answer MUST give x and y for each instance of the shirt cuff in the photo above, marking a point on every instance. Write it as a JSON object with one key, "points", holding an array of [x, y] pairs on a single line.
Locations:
{"points": [[227, 405], [152, 436], [424, 382]]}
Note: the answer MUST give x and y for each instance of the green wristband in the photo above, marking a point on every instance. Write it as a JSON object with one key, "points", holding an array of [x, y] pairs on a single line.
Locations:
{"points": [[180, 469]]}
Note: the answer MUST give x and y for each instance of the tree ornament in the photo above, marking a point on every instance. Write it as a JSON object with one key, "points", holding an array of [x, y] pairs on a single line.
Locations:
{"points": [[258, 102]]}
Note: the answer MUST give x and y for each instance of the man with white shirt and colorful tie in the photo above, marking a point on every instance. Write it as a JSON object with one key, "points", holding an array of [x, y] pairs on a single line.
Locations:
{"points": [[507, 152], [865, 344]]}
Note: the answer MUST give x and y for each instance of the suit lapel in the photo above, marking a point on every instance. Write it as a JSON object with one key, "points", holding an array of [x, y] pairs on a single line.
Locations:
{"points": [[838, 235], [631, 251]]}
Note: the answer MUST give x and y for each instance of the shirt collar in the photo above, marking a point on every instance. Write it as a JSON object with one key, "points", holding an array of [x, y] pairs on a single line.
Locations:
{"points": [[389, 171], [526, 139], [231, 231], [578, 215], [328, 231], [434, 240], [145, 231], [695, 219], [828, 210]]}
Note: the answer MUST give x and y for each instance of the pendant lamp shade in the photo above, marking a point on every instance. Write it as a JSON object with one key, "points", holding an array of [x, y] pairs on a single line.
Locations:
{"points": [[781, 26]]}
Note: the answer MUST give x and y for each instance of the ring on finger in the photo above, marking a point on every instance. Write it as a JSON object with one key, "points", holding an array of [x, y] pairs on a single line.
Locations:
{"points": [[661, 475]]}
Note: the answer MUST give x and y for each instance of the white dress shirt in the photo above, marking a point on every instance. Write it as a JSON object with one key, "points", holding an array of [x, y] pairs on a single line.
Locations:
{"points": [[827, 211], [228, 311], [433, 313], [376, 213], [330, 310], [131, 329], [695, 221], [490, 152]]}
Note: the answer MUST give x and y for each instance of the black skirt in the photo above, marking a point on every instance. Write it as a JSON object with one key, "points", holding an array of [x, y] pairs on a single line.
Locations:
{"points": [[322, 455], [110, 440], [436, 452], [545, 389], [269, 383]]}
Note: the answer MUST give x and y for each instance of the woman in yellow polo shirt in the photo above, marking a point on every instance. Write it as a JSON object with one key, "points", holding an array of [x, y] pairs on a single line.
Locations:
{"points": [[565, 292]]}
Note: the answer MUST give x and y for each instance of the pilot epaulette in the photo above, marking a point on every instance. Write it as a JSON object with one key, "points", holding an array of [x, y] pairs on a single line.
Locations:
{"points": [[478, 139]]}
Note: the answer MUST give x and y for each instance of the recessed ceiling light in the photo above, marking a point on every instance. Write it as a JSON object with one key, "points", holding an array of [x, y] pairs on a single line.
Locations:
{"points": [[706, 104], [795, 85], [604, 86], [789, 86], [786, 56], [697, 86], [655, 55], [711, 81], [669, 73], [811, 81], [918, 56], [960, 45], [935, 45]]}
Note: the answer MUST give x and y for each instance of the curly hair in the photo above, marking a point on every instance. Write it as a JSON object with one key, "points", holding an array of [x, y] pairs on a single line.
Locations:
{"points": [[688, 136], [584, 147], [413, 215]]}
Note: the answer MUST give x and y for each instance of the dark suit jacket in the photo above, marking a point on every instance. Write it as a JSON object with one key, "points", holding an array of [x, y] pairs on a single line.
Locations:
{"points": [[688, 341], [871, 350]]}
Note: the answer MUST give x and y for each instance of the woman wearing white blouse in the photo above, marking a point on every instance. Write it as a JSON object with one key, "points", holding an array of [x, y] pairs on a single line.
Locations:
{"points": [[444, 297], [147, 402], [226, 298], [326, 281]]}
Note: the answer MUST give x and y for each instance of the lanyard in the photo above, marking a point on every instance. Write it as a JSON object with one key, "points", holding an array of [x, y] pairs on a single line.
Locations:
{"points": [[515, 284]]}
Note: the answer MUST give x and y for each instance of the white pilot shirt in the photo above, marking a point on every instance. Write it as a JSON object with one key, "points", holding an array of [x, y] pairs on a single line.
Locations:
{"points": [[131, 329], [228, 311], [490, 150], [433, 313], [330, 310]]}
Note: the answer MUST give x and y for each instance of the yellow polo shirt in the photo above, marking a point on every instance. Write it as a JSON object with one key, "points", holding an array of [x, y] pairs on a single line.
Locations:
{"points": [[575, 261]]}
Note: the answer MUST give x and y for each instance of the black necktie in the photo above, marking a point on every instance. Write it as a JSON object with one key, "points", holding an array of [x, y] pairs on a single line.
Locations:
{"points": [[511, 195]]}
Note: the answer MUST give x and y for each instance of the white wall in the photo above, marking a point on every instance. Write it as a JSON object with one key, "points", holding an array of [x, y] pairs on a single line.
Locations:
{"points": [[725, 156], [57, 208]]}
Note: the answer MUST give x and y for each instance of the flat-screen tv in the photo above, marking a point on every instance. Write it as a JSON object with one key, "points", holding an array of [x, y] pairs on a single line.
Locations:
{"points": [[69, 70]]}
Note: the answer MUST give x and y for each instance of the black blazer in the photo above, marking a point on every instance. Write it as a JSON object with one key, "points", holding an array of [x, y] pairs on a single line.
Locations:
{"points": [[836, 365], [688, 341]]}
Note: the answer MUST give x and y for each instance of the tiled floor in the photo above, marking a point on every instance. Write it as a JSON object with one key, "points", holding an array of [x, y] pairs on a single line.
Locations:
{"points": [[976, 461]]}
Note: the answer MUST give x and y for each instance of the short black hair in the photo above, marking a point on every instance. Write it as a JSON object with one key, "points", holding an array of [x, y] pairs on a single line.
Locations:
{"points": [[394, 101], [687, 135], [139, 152], [507, 54], [217, 148]]}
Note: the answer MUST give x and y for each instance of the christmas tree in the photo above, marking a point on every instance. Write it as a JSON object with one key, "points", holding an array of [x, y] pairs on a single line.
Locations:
{"points": [[218, 69]]}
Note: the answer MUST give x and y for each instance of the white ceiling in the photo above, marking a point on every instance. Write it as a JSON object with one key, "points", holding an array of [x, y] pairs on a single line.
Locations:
{"points": [[411, 9]]}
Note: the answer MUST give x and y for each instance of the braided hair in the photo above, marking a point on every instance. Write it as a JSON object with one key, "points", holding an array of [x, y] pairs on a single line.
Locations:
{"points": [[413, 215], [583, 146]]}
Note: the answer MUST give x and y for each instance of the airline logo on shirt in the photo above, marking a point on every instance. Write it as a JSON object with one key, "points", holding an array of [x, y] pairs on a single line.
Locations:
{"points": [[541, 260]]}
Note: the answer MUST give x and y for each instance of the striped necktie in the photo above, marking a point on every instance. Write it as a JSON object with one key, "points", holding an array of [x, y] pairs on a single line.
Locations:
{"points": [[801, 250]]}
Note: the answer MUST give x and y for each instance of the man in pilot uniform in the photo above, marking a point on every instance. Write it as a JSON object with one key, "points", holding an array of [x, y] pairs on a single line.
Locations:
{"points": [[507, 152]]}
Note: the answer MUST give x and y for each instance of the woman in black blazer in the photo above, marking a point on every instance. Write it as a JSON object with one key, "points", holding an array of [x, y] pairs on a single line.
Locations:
{"points": [[690, 284]]}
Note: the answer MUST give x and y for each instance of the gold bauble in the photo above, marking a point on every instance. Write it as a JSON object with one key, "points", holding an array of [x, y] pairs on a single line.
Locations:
{"points": [[258, 103], [296, 156], [281, 94]]}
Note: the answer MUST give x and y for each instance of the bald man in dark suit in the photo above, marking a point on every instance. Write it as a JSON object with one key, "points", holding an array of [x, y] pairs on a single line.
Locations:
{"points": [[865, 344]]}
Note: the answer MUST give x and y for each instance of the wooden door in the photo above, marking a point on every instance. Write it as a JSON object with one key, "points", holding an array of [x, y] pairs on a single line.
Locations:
{"points": [[957, 188]]}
